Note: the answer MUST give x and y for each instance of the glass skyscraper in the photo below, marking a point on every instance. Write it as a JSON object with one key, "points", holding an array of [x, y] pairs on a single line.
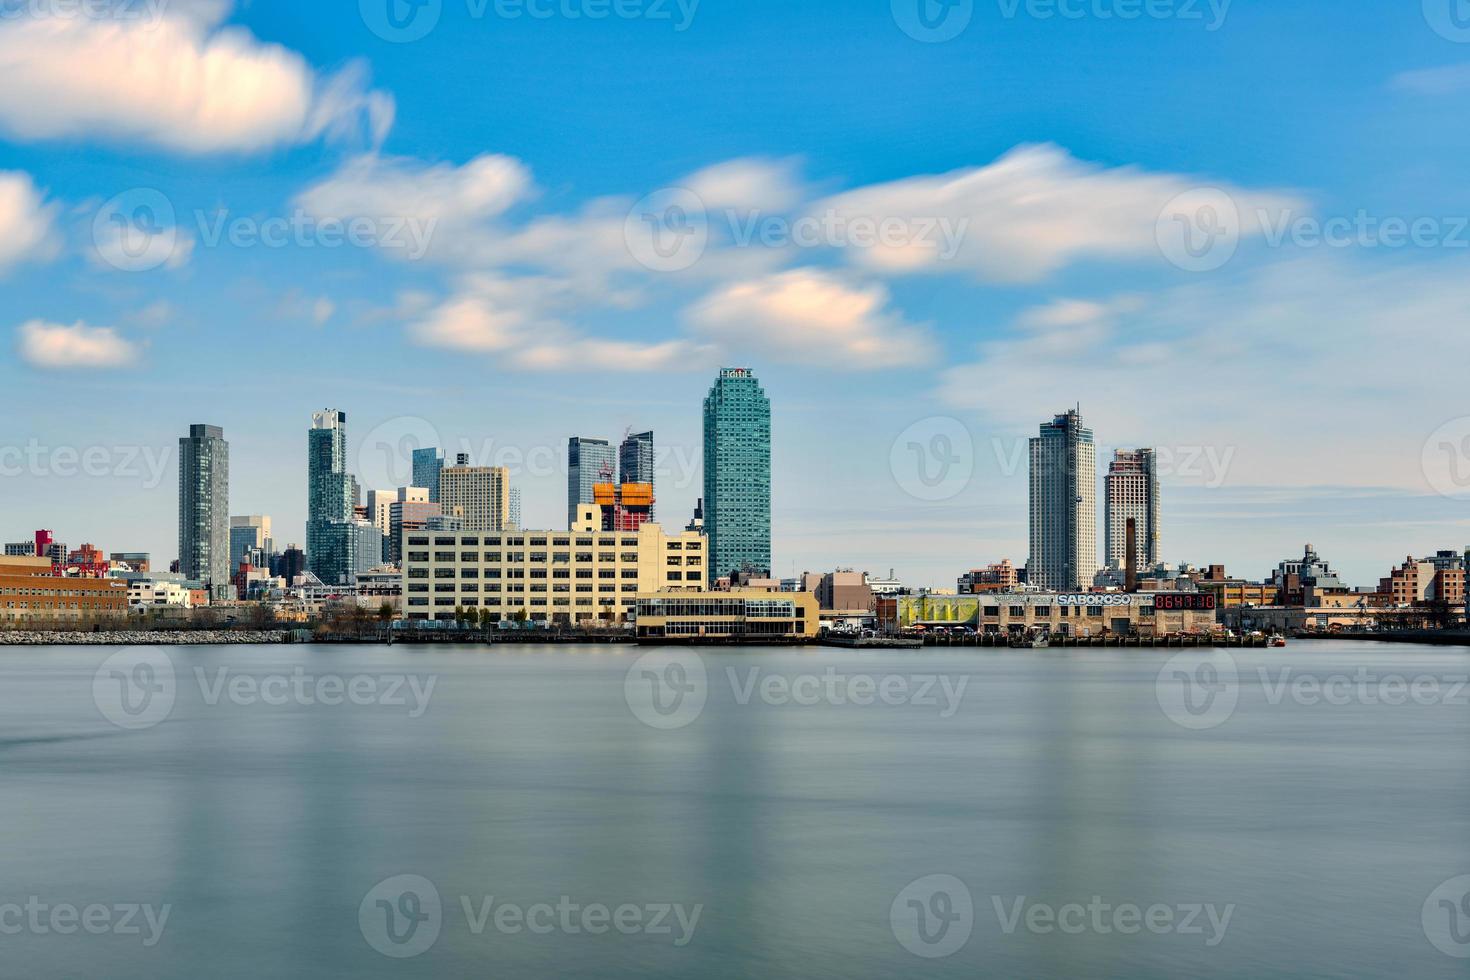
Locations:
{"points": [[204, 510], [737, 474], [427, 465], [636, 461], [1063, 506], [589, 461], [330, 490]]}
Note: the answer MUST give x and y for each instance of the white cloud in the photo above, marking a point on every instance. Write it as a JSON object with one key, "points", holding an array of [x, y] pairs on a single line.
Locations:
{"points": [[26, 221], [748, 184], [53, 345], [181, 82], [520, 319], [1312, 371], [813, 316], [1027, 215]]}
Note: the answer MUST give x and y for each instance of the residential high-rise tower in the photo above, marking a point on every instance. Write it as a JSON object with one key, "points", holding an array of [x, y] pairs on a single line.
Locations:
{"points": [[1132, 492], [737, 474], [204, 509], [1063, 505], [331, 495]]}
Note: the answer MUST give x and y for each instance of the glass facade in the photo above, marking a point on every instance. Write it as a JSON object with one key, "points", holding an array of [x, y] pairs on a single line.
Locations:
{"points": [[204, 509], [427, 464], [589, 461], [636, 462], [330, 492], [737, 474]]}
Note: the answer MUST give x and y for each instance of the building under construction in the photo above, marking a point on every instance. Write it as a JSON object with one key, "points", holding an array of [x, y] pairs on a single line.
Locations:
{"points": [[625, 507]]}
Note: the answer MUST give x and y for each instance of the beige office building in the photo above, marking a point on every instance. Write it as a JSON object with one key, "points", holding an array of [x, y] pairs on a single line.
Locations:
{"points": [[478, 495], [578, 576]]}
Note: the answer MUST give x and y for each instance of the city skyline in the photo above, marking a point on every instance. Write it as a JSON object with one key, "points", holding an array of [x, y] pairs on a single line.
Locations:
{"points": [[687, 487], [530, 316]]}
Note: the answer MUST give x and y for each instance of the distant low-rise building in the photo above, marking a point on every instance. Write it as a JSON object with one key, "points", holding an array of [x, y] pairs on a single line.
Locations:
{"points": [[30, 593], [1423, 582], [1059, 614], [999, 577], [753, 616]]}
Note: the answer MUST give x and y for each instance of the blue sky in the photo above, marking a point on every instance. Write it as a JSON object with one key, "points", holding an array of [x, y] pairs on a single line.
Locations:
{"points": [[1036, 172]]}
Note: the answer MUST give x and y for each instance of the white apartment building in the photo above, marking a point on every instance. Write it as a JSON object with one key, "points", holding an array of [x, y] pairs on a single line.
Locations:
{"points": [[1132, 492], [578, 576], [146, 595]]}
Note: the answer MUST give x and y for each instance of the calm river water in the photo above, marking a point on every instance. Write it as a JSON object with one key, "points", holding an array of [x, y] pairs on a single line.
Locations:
{"points": [[369, 812]]}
